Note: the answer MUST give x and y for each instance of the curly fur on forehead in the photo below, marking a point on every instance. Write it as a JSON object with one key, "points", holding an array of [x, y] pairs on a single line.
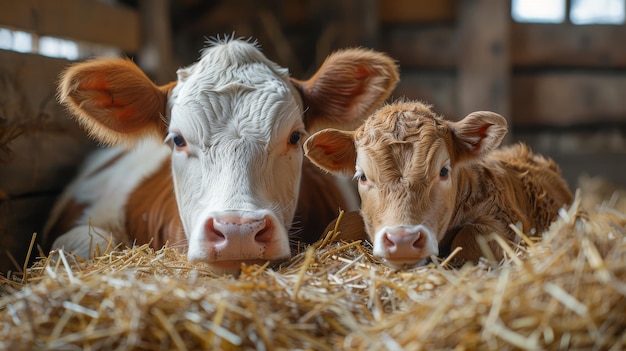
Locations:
{"points": [[394, 136], [398, 123]]}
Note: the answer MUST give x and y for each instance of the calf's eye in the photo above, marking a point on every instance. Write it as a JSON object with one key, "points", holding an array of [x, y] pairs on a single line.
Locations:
{"points": [[360, 176], [444, 172], [294, 138]]}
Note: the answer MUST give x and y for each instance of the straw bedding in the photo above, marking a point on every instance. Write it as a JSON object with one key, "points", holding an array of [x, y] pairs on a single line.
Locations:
{"points": [[567, 291]]}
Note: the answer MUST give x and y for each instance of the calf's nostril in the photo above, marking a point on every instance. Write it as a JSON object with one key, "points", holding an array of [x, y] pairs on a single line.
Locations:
{"points": [[419, 241], [387, 241]]}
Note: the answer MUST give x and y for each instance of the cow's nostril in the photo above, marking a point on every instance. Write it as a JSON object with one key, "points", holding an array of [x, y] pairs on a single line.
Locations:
{"points": [[212, 234], [264, 235]]}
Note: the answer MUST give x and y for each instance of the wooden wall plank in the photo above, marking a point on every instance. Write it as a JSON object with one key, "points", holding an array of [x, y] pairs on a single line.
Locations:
{"points": [[19, 219], [532, 45], [434, 88], [417, 11], [39, 144], [568, 98], [91, 21], [483, 60], [560, 99], [563, 45], [40, 148], [430, 46]]}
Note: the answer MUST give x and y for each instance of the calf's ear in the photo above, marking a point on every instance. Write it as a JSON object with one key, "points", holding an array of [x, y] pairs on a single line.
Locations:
{"points": [[347, 88], [114, 100], [332, 150], [478, 133]]}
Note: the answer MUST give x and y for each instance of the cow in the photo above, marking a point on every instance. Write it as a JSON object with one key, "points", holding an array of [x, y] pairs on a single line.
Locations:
{"points": [[429, 185], [211, 163]]}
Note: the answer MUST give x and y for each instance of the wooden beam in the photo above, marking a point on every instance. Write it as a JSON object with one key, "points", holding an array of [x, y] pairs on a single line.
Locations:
{"points": [[483, 59], [416, 11], [156, 56], [90, 21]]}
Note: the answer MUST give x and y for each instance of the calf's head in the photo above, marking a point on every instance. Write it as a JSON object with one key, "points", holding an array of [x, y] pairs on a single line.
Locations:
{"points": [[408, 163], [236, 122]]}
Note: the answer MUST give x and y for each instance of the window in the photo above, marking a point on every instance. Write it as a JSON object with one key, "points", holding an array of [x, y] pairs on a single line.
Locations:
{"points": [[19, 41], [539, 11], [580, 12], [597, 12]]}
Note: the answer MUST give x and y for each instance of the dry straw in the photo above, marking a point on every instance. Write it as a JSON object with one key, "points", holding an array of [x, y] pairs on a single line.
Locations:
{"points": [[564, 292]]}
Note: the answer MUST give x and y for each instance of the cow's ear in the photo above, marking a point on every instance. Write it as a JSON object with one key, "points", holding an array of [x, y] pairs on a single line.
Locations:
{"points": [[332, 150], [114, 100], [478, 133], [347, 88]]}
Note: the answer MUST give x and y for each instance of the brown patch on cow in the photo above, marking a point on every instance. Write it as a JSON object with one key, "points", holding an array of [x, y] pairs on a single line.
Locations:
{"points": [[152, 213], [106, 165], [64, 223], [318, 204]]}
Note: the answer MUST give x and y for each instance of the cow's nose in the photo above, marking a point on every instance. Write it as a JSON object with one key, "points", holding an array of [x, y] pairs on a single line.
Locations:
{"points": [[403, 242], [237, 229]]}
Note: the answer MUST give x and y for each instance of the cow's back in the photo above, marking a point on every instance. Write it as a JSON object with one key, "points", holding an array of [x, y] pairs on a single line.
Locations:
{"points": [[99, 196], [537, 185], [529, 187], [509, 186]]}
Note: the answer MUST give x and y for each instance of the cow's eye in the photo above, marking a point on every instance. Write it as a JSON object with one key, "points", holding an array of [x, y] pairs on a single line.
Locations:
{"points": [[177, 139], [443, 174], [294, 138]]}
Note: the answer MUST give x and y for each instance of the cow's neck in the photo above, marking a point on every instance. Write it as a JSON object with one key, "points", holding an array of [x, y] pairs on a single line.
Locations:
{"points": [[152, 213]]}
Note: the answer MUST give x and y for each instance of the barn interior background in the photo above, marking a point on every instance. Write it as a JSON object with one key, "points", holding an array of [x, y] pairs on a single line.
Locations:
{"points": [[556, 69]]}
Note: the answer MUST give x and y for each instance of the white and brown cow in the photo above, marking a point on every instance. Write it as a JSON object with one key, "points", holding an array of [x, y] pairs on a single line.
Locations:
{"points": [[428, 185], [226, 183]]}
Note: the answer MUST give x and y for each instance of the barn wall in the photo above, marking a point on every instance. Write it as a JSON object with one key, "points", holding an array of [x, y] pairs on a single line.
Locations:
{"points": [[41, 147], [560, 86]]}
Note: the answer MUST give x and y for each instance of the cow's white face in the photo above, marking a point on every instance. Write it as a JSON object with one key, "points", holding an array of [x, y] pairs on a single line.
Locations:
{"points": [[236, 128]]}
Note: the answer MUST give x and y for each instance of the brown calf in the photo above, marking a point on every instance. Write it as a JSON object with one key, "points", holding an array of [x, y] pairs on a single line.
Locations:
{"points": [[428, 185]]}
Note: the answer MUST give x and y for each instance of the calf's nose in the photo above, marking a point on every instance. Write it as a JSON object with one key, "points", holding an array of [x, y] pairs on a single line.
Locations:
{"points": [[403, 242]]}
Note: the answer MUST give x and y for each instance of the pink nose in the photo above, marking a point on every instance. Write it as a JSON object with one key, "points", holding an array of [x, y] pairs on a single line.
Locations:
{"points": [[404, 243], [238, 235]]}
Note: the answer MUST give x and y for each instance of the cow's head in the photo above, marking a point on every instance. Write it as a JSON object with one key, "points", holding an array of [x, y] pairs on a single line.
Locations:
{"points": [[236, 122], [409, 163]]}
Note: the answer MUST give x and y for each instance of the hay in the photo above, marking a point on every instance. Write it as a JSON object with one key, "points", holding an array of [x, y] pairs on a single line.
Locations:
{"points": [[564, 292]]}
